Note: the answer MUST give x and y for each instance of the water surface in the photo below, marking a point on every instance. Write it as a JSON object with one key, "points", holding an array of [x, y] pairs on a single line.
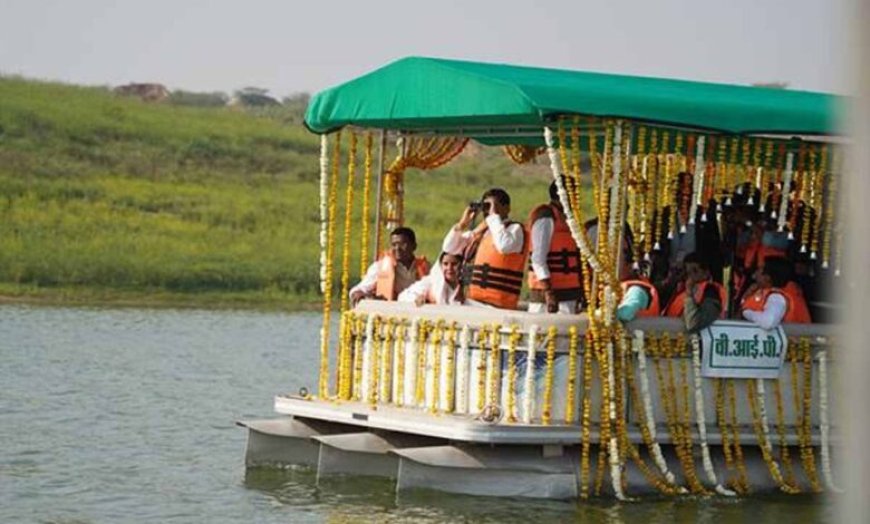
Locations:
{"points": [[128, 416]]}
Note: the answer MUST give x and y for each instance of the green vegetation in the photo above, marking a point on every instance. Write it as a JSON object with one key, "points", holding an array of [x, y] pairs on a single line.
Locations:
{"points": [[110, 200]]}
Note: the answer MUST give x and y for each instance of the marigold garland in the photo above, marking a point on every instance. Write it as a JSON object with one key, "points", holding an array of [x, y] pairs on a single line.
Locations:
{"points": [[494, 365], [548, 377], [818, 202], [326, 268], [829, 209], [586, 415], [742, 481], [571, 381], [784, 457], [451, 367], [386, 360], [482, 337], [513, 340], [366, 209], [422, 356], [436, 339], [755, 395], [807, 456], [402, 347]]}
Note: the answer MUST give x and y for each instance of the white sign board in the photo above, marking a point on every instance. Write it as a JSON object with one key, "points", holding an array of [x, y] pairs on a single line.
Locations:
{"points": [[731, 349]]}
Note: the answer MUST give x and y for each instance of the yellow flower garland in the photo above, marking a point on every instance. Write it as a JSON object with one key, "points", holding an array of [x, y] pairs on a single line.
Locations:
{"points": [[386, 372], [807, 456], [829, 208], [374, 357], [513, 340], [784, 457], [364, 220], [323, 382], [585, 440], [356, 393], [742, 482], [482, 337], [763, 443], [451, 366], [348, 213], [571, 386], [437, 338], [495, 364], [548, 377], [399, 400], [818, 201], [422, 350]]}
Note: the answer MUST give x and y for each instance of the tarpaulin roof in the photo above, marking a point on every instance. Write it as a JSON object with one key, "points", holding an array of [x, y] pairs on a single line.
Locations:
{"points": [[419, 93]]}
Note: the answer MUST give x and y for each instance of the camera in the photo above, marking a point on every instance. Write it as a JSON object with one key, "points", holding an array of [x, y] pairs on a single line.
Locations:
{"points": [[479, 207]]}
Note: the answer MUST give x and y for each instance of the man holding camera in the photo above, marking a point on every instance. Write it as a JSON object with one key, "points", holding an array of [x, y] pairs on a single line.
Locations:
{"points": [[554, 275], [496, 249]]}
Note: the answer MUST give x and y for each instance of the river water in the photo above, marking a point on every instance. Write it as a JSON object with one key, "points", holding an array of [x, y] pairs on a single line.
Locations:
{"points": [[129, 416]]}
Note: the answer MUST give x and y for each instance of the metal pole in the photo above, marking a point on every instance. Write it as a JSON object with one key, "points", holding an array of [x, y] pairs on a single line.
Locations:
{"points": [[378, 203]]}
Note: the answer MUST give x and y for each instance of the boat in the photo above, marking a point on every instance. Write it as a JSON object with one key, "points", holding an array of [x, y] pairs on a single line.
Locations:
{"points": [[497, 402]]}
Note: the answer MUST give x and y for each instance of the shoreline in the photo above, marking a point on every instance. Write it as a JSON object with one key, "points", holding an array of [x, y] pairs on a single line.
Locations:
{"points": [[266, 301]]}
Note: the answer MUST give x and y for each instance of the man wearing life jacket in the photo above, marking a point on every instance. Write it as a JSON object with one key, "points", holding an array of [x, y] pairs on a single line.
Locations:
{"points": [[702, 300], [494, 251], [394, 271], [775, 299], [639, 297], [441, 286], [554, 260]]}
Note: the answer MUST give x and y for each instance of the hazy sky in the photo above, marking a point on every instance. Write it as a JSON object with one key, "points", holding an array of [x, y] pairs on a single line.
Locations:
{"points": [[288, 46]]}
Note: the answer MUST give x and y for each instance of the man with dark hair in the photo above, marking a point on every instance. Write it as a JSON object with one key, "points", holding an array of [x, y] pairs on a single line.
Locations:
{"points": [[394, 270], [774, 298], [495, 251], [554, 260], [701, 300]]}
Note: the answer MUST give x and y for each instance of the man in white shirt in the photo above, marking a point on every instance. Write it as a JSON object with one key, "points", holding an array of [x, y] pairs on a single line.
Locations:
{"points": [[395, 269], [497, 247], [554, 279], [440, 286]]}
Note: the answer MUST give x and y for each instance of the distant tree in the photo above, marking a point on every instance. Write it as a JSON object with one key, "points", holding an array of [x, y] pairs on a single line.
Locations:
{"points": [[297, 99], [253, 97], [190, 98]]}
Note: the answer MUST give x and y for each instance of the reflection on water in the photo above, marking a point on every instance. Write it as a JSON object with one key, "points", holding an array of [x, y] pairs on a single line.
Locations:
{"points": [[127, 416], [364, 499]]}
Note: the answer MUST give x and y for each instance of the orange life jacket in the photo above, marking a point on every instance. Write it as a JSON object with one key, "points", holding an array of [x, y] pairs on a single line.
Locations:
{"points": [[386, 283], [757, 252], [796, 310], [675, 306], [563, 256], [653, 308], [497, 278]]}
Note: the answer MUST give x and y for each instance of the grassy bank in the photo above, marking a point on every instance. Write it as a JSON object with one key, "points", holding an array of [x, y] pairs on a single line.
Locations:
{"points": [[109, 200]]}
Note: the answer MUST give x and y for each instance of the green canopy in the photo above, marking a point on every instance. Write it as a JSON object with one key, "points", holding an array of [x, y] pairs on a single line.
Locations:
{"points": [[418, 93]]}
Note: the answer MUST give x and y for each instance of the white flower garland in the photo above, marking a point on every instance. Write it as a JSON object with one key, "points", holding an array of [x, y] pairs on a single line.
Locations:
{"points": [[614, 188], [324, 216], [577, 232], [702, 423], [529, 387], [613, 456], [698, 181], [656, 450], [462, 360], [784, 193], [825, 428], [774, 465]]}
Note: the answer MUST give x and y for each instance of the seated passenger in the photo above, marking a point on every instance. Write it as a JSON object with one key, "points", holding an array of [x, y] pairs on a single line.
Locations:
{"points": [[441, 286], [774, 299], [497, 249], [394, 270], [639, 297], [554, 266], [701, 300]]}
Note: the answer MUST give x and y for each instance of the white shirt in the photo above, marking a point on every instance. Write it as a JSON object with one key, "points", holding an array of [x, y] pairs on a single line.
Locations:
{"points": [[771, 316], [444, 293], [505, 239], [542, 234]]}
